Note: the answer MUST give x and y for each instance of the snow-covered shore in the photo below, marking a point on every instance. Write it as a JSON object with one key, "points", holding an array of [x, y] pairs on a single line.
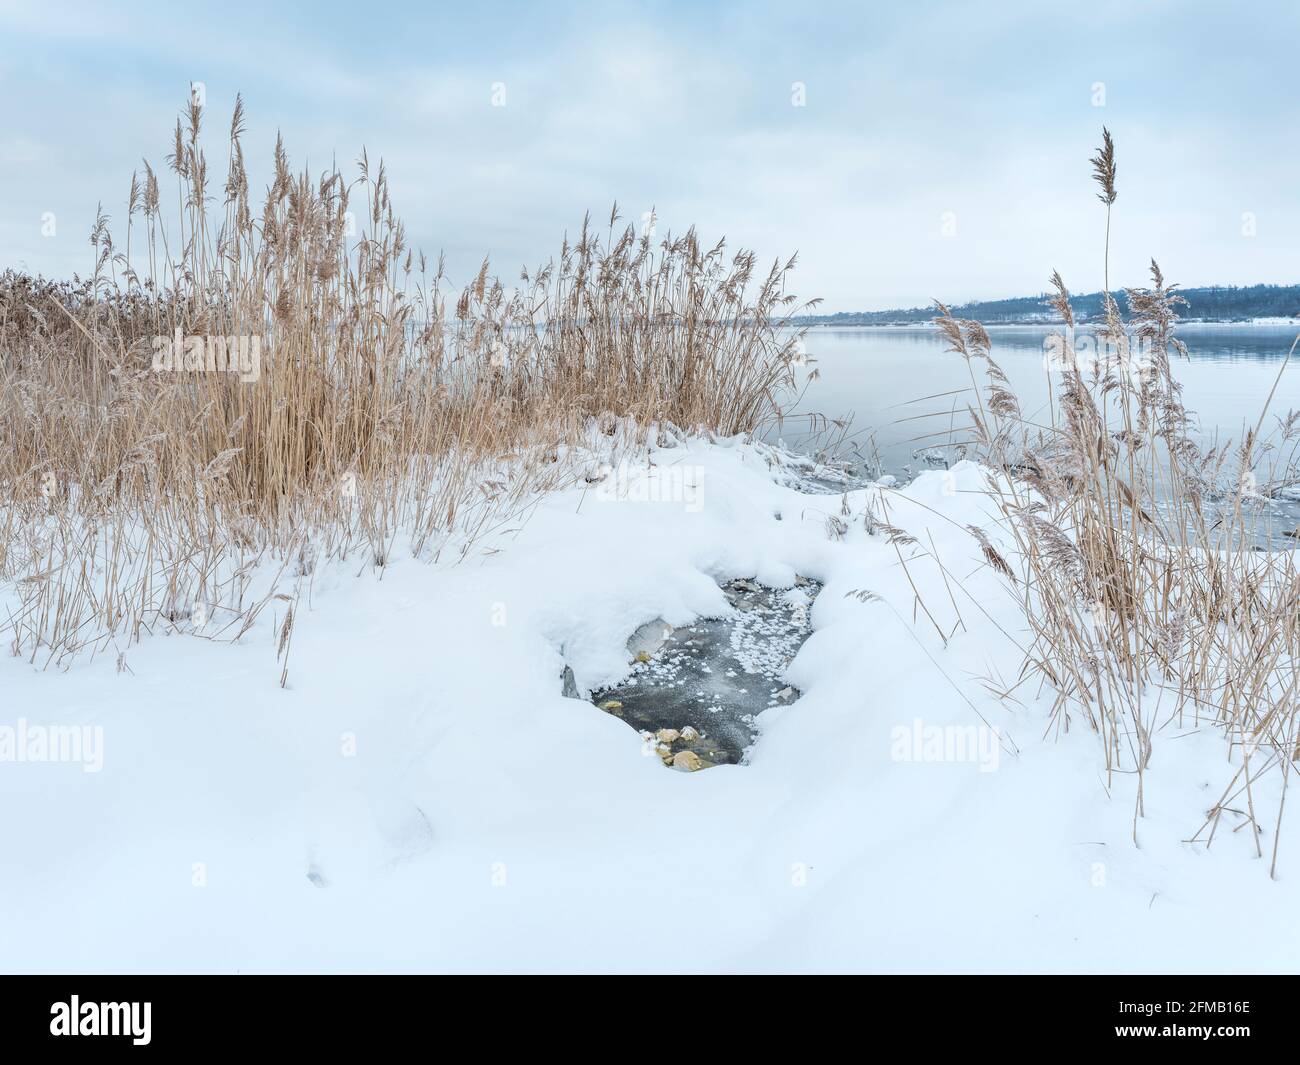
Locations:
{"points": [[421, 796], [1050, 322]]}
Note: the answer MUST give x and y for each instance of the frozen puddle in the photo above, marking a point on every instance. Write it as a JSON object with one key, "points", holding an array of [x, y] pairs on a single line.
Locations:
{"points": [[694, 692]]}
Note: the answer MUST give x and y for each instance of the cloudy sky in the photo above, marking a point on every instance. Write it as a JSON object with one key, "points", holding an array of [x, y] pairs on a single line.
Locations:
{"points": [[904, 150]]}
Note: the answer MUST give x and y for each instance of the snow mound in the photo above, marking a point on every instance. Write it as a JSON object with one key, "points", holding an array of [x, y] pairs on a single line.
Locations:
{"points": [[421, 796]]}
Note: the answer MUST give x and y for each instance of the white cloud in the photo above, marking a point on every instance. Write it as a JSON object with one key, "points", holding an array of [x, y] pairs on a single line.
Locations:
{"points": [[911, 112]]}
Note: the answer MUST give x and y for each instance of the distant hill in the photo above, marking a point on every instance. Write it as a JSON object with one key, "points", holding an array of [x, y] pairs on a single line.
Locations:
{"points": [[1226, 303]]}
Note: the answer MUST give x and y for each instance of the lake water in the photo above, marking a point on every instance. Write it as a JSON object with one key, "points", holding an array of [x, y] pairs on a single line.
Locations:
{"points": [[905, 393], [890, 380]]}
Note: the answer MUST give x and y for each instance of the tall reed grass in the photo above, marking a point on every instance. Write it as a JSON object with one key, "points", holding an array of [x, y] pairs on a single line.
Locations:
{"points": [[1138, 553], [135, 496]]}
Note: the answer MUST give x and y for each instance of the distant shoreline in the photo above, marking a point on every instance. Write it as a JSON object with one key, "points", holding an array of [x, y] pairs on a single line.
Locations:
{"points": [[1040, 323], [1264, 304]]}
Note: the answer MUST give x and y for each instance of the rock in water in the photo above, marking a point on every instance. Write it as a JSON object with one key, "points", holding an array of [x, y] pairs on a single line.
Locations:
{"points": [[648, 639], [687, 761], [570, 682], [706, 683]]}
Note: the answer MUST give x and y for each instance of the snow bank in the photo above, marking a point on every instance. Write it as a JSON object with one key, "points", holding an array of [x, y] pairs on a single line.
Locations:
{"points": [[420, 796]]}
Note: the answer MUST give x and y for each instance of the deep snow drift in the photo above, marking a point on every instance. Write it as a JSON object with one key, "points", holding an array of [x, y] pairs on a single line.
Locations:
{"points": [[421, 796]]}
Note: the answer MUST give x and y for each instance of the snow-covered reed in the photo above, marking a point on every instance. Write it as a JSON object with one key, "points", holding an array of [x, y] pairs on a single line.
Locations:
{"points": [[1152, 606], [235, 380]]}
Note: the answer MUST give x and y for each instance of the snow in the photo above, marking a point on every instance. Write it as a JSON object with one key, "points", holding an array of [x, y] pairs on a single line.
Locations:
{"points": [[421, 797]]}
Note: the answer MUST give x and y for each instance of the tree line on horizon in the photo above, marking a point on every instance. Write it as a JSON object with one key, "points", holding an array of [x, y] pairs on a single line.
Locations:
{"points": [[1227, 303]]}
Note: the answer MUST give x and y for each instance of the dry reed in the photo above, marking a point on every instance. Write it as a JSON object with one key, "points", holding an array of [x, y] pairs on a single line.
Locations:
{"points": [[135, 495], [1140, 558]]}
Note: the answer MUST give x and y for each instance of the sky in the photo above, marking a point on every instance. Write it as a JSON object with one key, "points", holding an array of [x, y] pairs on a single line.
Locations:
{"points": [[906, 151]]}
